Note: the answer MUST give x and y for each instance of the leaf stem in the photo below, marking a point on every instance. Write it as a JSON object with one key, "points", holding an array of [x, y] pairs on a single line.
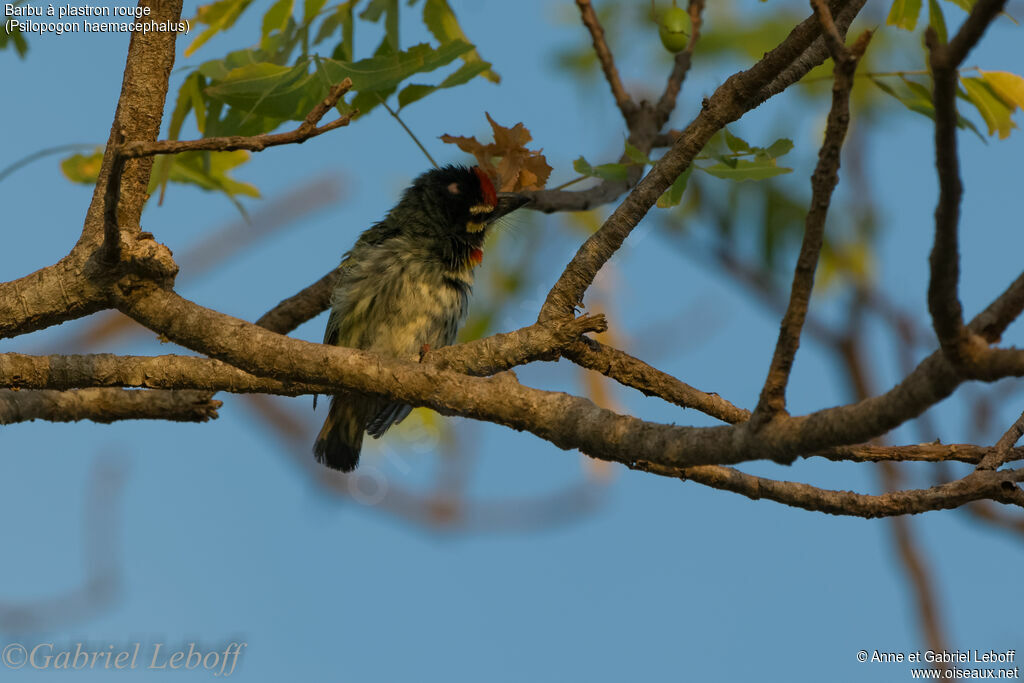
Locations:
{"points": [[25, 161], [407, 130]]}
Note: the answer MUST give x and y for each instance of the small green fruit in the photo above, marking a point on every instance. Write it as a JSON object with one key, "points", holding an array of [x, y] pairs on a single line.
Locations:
{"points": [[674, 29]]}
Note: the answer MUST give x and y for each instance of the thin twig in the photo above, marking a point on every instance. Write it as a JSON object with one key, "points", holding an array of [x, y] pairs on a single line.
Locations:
{"points": [[824, 180], [975, 486], [680, 65], [633, 372], [1003, 450], [740, 93], [415, 139], [604, 56], [254, 143], [944, 304], [111, 248]]}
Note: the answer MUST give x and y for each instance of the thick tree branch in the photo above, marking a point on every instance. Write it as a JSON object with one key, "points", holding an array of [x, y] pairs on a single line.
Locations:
{"points": [[140, 110], [59, 372], [567, 421], [63, 372], [105, 405], [77, 285], [50, 296], [301, 306]]}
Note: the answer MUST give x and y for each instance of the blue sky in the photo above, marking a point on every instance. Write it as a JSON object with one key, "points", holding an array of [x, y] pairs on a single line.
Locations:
{"points": [[222, 536]]}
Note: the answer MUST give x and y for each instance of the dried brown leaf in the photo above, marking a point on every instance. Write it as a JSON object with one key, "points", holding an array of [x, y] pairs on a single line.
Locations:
{"points": [[507, 159]]}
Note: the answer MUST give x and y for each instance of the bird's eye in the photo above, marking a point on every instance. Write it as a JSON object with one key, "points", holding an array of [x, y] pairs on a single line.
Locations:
{"points": [[453, 188]]}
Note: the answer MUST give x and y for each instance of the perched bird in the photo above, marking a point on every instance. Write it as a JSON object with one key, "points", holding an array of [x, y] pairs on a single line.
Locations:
{"points": [[403, 288]]}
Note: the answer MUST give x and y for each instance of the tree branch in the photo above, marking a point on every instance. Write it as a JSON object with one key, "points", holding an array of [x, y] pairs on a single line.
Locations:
{"points": [[139, 113], [729, 102], [1004, 447], [650, 381], [105, 406], [604, 56], [680, 66], [256, 143], [824, 180], [975, 486], [963, 350], [63, 372]]}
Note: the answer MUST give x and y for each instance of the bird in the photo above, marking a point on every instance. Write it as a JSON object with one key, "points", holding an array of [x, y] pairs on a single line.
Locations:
{"points": [[404, 289]]}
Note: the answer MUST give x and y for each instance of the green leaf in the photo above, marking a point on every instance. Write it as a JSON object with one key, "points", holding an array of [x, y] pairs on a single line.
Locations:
{"points": [[16, 39], [746, 170], [311, 9], [440, 20], [373, 13], [210, 171], [463, 74], [583, 167], [726, 160], [270, 90], [196, 84], [182, 106], [993, 109], [276, 19], [904, 14], [1009, 86], [937, 21], [218, 69], [83, 168], [635, 155], [779, 148], [603, 171], [910, 100], [918, 98], [341, 16], [218, 16], [612, 171], [922, 92], [734, 143], [388, 71], [674, 194], [237, 121]]}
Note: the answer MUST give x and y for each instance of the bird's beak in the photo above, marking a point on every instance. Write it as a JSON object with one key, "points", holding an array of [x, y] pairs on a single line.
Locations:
{"points": [[507, 203]]}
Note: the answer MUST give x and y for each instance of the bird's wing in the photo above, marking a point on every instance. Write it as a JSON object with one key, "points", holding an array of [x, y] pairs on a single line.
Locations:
{"points": [[331, 333], [334, 320], [392, 414]]}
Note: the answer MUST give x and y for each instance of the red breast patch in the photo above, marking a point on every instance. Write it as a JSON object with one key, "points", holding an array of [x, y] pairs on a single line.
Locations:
{"points": [[486, 187], [476, 256]]}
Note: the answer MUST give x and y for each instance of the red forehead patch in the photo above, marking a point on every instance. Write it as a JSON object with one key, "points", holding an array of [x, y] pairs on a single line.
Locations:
{"points": [[486, 187]]}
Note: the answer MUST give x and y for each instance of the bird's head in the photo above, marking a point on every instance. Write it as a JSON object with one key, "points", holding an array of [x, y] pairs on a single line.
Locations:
{"points": [[456, 205]]}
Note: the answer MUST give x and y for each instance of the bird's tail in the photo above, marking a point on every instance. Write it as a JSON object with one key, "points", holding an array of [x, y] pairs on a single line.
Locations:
{"points": [[341, 438]]}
